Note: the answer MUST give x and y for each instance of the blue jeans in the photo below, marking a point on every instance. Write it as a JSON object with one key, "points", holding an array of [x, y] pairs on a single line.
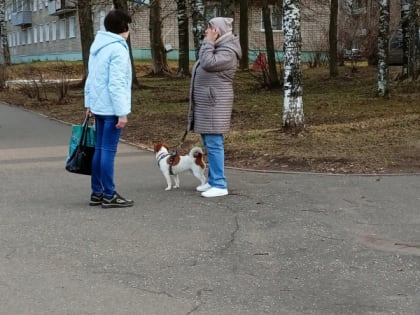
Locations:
{"points": [[214, 144], [107, 138]]}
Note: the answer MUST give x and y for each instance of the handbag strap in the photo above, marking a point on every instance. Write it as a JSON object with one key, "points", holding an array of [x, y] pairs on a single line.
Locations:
{"points": [[85, 125]]}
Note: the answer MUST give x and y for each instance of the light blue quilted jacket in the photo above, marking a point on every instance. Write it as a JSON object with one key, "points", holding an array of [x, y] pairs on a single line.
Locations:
{"points": [[108, 85]]}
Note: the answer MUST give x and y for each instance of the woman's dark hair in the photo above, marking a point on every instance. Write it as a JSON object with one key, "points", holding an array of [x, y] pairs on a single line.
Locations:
{"points": [[116, 21]]}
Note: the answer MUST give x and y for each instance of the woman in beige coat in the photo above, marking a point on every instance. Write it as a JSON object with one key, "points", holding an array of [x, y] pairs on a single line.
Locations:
{"points": [[211, 98]]}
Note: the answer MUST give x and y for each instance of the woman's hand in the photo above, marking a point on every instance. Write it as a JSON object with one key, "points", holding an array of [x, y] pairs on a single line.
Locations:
{"points": [[211, 34], [122, 122]]}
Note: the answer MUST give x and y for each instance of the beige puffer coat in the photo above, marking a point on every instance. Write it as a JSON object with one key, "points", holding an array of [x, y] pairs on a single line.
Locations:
{"points": [[211, 90]]}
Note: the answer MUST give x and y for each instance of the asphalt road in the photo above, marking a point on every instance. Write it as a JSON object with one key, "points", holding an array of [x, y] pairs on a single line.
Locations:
{"points": [[280, 243]]}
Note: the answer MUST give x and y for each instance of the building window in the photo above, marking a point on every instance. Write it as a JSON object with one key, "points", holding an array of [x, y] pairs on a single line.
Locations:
{"points": [[47, 32], [41, 33], [359, 4], [35, 29], [21, 5], [396, 40], [35, 5], [62, 29], [53, 31], [9, 39], [72, 27], [358, 7], [211, 12], [29, 36], [276, 17], [23, 37], [140, 3]]}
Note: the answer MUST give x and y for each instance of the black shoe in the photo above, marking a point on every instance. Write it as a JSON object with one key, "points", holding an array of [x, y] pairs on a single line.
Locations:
{"points": [[96, 200], [117, 201]]}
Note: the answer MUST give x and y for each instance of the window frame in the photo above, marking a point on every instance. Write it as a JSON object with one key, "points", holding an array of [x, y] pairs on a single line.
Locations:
{"points": [[41, 33], [35, 34], [72, 27], [53, 30], [272, 12], [62, 29], [47, 32]]}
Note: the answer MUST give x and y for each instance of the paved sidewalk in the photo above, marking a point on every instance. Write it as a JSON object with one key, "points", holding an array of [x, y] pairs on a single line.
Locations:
{"points": [[278, 244]]}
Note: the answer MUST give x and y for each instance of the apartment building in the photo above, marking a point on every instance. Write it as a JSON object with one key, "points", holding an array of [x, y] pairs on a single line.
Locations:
{"points": [[40, 28], [359, 22], [49, 29]]}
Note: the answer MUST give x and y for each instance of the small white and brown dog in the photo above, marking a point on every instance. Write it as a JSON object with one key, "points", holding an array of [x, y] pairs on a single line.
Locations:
{"points": [[172, 165]]}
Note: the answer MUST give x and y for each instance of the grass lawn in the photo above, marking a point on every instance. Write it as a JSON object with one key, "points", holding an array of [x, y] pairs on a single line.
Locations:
{"points": [[348, 129]]}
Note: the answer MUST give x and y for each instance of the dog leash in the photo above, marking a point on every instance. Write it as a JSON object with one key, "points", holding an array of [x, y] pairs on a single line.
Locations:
{"points": [[182, 140], [173, 154]]}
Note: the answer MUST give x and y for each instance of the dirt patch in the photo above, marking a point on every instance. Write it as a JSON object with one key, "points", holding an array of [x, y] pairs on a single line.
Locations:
{"points": [[348, 129]]}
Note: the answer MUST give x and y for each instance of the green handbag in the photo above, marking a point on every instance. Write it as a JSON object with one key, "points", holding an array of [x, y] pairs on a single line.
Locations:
{"points": [[81, 148]]}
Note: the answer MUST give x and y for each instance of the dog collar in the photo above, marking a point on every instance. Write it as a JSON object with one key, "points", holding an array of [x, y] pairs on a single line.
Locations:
{"points": [[161, 156], [170, 161]]}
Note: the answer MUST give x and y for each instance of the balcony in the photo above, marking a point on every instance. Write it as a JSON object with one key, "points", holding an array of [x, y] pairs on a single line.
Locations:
{"points": [[22, 18], [61, 7]]}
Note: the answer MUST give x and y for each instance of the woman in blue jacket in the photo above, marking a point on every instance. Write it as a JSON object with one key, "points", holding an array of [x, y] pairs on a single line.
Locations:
{"points": [[108, 98]]}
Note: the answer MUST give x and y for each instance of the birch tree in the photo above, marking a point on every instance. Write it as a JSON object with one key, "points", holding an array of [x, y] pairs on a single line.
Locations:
{"points": [[293, 102], [198, 23], [3, 33], [383, 40], [183, 39]]}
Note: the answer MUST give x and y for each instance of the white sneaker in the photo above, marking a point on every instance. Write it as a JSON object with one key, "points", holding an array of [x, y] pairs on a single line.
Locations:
{"points": [[203, 187], [215, 192]]}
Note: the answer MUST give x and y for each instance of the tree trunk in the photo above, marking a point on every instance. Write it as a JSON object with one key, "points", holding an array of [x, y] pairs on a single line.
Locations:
{"points": [[405, 22], [84, 9], [3, 34], [293, 118], [183, 37], [383, 40], [414, 40], [333, 38], [243, 34], [160, 65], [122, 5], [198, 23], [269, 43]]}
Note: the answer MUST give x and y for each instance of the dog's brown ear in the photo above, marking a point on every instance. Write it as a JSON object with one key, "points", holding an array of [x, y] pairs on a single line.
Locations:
{"points": [[156, 147]]}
